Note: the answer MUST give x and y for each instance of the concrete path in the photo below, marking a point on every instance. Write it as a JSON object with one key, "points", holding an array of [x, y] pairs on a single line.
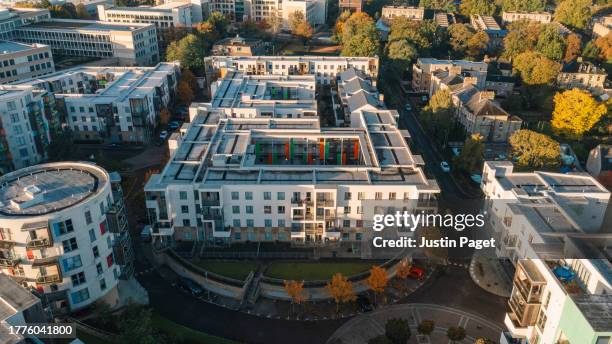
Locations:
{"points": [[487, 273]]}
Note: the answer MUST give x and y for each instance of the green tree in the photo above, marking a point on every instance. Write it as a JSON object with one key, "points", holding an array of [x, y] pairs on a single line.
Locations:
{"points": [[81, 12], [460, 35], [534, 150], [470, 158], [401, 53], [477, 45], [483, 7], [135, 326], [551, 42], [219, 23], [359, 36], [189, 51], [339, 26], [574, 13], [426, 327], [441, 5], [455, 333], [380, 339], [535, 68], [423, 35], [591, 51], [576, 112], [397, 330], [523, 5], [522, 36]]}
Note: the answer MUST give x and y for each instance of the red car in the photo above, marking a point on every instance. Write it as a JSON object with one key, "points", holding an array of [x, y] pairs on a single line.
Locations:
{"points": [[417, 273]]}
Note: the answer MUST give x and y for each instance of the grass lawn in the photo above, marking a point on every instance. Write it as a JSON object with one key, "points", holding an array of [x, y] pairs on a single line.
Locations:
{"points": [[185, 334], [233, 269], [315, 271]]}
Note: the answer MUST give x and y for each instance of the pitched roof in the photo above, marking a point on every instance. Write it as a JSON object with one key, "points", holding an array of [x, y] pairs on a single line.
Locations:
{"points": [[361, 99]]}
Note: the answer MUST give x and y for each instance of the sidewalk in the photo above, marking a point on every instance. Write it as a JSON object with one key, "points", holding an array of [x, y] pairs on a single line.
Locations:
{"points": [[487, 272]]}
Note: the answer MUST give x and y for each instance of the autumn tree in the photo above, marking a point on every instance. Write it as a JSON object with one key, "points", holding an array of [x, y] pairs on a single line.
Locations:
{"points": [[295, 290], [339, 26], [534, 150], [574, 13], [219, 23], [164, 116], [359, 36], [340, 289], [484, 341], [576, 112], [470, 158], [184, 92], [455, 333], [523, 5], [551, 42], [535, 68], [397, 330], [477, 45], [189, 51], [441, 5], [299, 26], [82, 13], [482, 7], [426, 327], [573, 48], [604, 44], [522, 36], [377, 280], [401, 53], [460, 35]]}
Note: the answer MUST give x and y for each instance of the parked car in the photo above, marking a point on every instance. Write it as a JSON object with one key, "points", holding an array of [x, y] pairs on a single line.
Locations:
{"points": [[163, 135], [408, 107], [445, 166], [456, 151], [174, 125], [192, 286], [364, 304], [145, 234], [416, 273]]}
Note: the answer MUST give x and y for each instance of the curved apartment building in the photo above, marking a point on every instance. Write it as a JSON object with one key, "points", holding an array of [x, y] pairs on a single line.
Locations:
{"points": [[63, 231]]}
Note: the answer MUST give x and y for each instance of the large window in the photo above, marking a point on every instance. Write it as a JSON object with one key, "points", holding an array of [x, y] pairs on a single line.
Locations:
{"points": [[79, 296], [61, 228], [78, 279], [72, 263]]}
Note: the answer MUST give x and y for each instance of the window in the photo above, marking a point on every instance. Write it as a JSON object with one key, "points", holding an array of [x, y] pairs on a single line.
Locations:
{"points": [[347, 196], [281, 209], [358, 236], [361, 195], [96, 252], [109, 260], [88, 217], [235, 209], [102, 227], [248, 195], [79, 296], [392, 196], [268, 222], [235, 195], [183, 195], [102, 284], [346, 223], [250, 223], [378, 196], [267, 196], [70, 245], [280, 196], [237, 236], [99, 268], [185, 209], [109, 242], [236, 222], [72, 263], [61, 228], [267, 209], [249, 209], [359, 223], [281, 223], [345, 236], [78, 279], [268, 236], [92, 235], [347, 210]]}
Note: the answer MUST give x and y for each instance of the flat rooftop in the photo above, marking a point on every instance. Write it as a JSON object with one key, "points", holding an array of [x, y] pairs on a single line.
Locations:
{"points": [[13, 297], [47, 188], [7, 47], [87, 25], [597, 310]]}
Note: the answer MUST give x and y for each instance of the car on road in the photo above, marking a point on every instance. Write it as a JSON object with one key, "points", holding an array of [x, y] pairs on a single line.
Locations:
{"points": [[192, 286], [416, 273], [364, 304], [163, 135], [174, 125], [408, 107], [445, 166]]}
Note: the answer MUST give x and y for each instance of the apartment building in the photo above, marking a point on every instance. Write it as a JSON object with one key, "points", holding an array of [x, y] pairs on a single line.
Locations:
{"points": [[502, 85], [583, 74], [350, 5], [540, 17], [315, 11], [423, 69], [238, 46], [234, 10], [25, 121], [602, 26], [64, 232], [444, 19], [20, 61], [13, 18], [324, 68], [560, 301], [489, 25], [164, 16], [383, 24], [119, 104], [355, 91], [284, 179], [131, 44], [19, 308]]}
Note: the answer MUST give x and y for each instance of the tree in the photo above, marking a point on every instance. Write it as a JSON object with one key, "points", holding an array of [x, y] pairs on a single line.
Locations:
{"points": [[380, 339], [295, 290], [477, 45], [442, 5], [424, 35], [523, 5], [573, 48], [81, 12], [359, 36], [184, 92], [551, 42], [340, 289], [534, 150], [484, 341], [164, 116], [535, 68], [455, 333], [470, 158], [397, 330], [189, 51], [403, 269], [135, 326], [482, 7], [401, 53], [574, 13], [576, 112], [377, 280], [591, 51], [460, 35], [218, 21], [426, 327], [339, 26], [604, 44], [522, 36], [299, 26]]}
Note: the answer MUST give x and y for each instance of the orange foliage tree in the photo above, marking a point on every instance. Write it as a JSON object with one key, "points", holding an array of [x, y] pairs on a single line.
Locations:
{"points": [[340, 289], [378, 280], [295, 290]]}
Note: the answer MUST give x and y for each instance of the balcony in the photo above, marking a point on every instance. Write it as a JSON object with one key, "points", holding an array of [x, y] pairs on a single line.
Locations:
{"points": [[48, 279], [513, 327], [325, 202], [39, 243], [9, 262]]}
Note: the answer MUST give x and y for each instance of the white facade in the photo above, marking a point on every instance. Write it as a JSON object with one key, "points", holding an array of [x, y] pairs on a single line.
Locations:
{"points": [[13, 18], [314, 11], [56, 233], [165, 16], [540, 17], [20, 61], [423, 69]]}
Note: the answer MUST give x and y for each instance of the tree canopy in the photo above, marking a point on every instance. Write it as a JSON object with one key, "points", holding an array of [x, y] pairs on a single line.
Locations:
{"points": [[442, 5], [189, 51], [574, 13], [576, 112], [534, 150], [470, 158], [299, 26], [573, 48], [522, 36], [551, 42], [397, 330], [482, 7], [359, 36], [460, 35], [523, 5], [535, 68]]}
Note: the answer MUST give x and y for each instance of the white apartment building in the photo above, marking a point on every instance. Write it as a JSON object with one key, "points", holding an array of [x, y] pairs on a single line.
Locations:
{"points": [[383, 24], [560, 301], [13, 18], [164, 16], [131, 44], [286, 179], [602, 26], [355, 91], [64, 232], [315, 11], [324, 68], [423, 69], [540, 17], [24, 127], [20, 61], [584, 75]]}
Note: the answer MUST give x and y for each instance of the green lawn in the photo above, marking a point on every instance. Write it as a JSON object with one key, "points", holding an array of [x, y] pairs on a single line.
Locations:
{"points": [[315, 271], [185, 334], [233, 269]]}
